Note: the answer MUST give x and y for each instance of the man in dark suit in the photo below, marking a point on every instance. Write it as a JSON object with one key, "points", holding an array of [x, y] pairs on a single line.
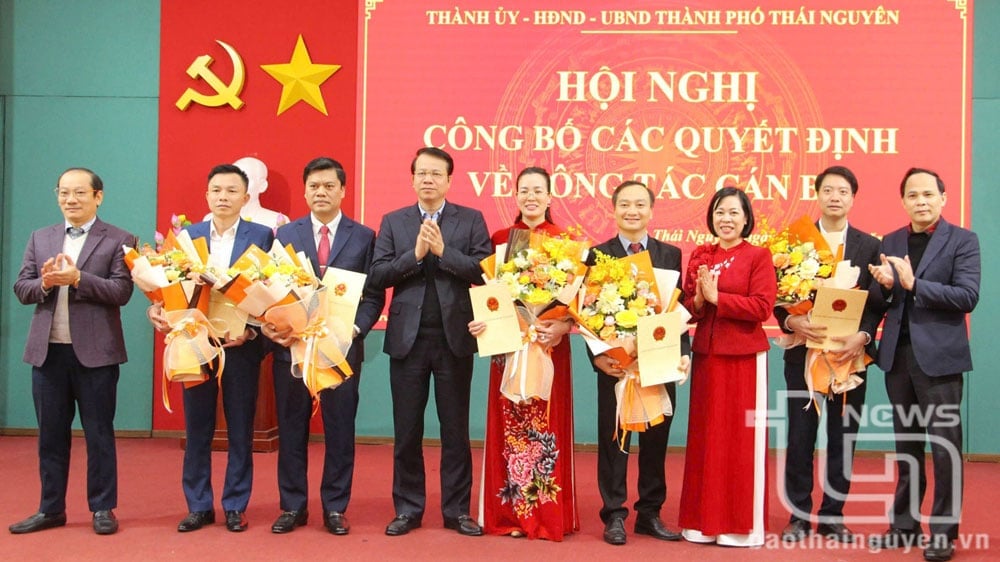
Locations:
{"points": [[429, 253], [74, 273], [228, 237], [927, 282], [351, 249], [836, 188], [633, 205]]}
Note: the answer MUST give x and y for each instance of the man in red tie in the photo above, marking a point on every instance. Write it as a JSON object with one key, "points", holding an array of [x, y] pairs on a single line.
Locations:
{"points": [[633, 205], [329, 239]]}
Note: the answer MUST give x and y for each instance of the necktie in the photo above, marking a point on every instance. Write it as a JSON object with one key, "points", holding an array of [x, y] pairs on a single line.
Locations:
{"points": [[75, 232], [634, 248], [323, 253]]}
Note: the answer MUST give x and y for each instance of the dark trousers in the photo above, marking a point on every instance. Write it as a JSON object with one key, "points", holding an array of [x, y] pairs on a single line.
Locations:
{"points": [[239, 402], [841, 434], [924, 405], [338, 407], [58, 387], [612, 462], [409, 379]]}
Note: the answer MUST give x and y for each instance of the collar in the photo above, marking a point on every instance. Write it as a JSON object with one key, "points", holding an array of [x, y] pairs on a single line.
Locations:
{"points": [[436, 214], [928, 231], [229, 231], [332, 225], [644, 241], [86, 226]]}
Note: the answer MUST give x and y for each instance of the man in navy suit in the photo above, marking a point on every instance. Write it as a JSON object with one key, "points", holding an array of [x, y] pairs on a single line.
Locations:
{"points": [[429, 253], [330, 239], [228, 237], [836, 188], [633, 205], [927, 282], [74, 273]]}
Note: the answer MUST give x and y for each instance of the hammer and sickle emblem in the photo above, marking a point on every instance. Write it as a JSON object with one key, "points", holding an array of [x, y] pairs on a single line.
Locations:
{"points": [[224, 94]]}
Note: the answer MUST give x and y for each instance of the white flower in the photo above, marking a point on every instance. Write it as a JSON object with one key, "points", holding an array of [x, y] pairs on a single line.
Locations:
{"points": [[809, 268]]}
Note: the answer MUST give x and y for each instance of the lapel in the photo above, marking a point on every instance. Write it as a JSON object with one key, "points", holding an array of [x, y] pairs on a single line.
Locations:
{"points": [[340, 238], [615, 248], [304, 240], [241, 242], [51, 241], [93, 239], [654, 251], [851, 246], [411, 225], [202, 230], [449, 222], [937, 243]]}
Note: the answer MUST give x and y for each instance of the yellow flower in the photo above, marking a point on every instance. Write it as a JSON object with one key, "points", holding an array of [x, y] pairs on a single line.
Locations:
{"points": [[626, 287], [795, 258], [538, 296], [595, 322], [627, 319], [825, 271]]}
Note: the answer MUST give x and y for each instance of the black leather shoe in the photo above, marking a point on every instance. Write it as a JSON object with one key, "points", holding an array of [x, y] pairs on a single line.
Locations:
{"points": [[465, 525], [614, 531], [105, 522], [196, 520], [836, 531], [895, 538], [236, 521], [654, 527], [796, 530], [940, 548], [401, 525], [289, 520], [336, 523], [38, 522]]}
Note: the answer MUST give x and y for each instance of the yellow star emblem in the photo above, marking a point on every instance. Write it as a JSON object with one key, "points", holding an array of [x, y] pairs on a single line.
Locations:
{"points": [[300, 79]]}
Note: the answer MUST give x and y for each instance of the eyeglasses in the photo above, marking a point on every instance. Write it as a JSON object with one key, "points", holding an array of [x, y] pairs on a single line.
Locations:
{"points": [[64, 194], [436, 175]]}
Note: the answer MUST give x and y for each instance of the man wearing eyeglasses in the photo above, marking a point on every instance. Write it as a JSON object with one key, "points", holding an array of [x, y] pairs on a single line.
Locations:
{"points": [[329, 239], [74, 273], [429, 253]]}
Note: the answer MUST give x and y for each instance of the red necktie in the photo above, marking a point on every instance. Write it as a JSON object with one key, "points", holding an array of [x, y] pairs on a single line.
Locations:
{"points": [[634, 248], [324, 248]]}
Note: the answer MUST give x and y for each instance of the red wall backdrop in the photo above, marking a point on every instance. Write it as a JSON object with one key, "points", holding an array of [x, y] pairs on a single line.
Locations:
{"points": [[685, 96], [263, 32]]}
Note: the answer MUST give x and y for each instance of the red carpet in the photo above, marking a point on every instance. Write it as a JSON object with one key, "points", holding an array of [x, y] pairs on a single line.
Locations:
{"points": [[151, 505]]}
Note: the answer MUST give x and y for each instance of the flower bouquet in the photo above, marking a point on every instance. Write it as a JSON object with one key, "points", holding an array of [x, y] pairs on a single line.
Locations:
{"points": [[802, 259], [542, 274], [615, 295], [804, 264], [281, 288], [171, 276]]}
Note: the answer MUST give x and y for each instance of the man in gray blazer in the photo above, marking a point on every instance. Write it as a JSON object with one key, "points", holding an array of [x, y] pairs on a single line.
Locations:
{"points": [[429, 253], [927, 282], [74, 273]]}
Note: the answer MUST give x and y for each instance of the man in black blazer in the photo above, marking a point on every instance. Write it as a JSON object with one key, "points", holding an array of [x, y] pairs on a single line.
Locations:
{"points": [[351, 249], [633, 205], [836, 188], [927, 282], [74, 274], [429, 254], [228, 237]]}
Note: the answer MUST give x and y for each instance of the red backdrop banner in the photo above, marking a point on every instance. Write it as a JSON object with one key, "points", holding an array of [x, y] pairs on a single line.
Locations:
{"points": [[684, 96], [193, 140]]}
